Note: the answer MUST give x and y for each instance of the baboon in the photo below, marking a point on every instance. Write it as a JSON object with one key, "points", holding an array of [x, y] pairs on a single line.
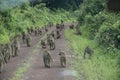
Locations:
{"points": [[71, 26], [39, 31], [7, 52], [28, 30], [16, 46], [58, 35], [53, 34], [46, 30], [58, 26], [52, 43], [47, 58], [28, 40], [43, 43], [78, 32], [48, 38], [62, 58], [89, 51], [23, 36], [2, 61], [31, 30], [62, 24], [35, 31]]}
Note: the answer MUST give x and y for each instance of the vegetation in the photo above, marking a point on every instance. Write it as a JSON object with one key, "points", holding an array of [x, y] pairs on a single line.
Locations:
{"points": [[16, 20], [64, 4], [101, 31], [100, 67]]}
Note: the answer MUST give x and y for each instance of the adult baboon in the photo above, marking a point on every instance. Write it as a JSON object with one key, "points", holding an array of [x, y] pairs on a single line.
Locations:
{"points": [[78, 32], [71, 26], [36, 31], [53, 34], [62, 25], [47, 58], [31, 30], [52, 44], [23, 36], [16, 46], [58, 34], [7, 52], [28, 40], [46, 30], [58, 26], [39, 31], [2, 61], [89, 51], [28, 30], [62, 58]]}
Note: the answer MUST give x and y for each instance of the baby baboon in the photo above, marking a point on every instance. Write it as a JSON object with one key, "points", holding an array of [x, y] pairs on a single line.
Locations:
{"points": [[89, 51], [43, 44]]}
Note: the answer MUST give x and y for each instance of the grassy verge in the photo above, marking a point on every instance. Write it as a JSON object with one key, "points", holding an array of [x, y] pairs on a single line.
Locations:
{"points": [[101, 67]]}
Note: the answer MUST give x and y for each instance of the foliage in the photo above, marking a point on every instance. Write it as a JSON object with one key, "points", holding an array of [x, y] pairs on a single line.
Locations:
{"points": [[16, 20], [97, 23], [100, 67], [65, 4]]}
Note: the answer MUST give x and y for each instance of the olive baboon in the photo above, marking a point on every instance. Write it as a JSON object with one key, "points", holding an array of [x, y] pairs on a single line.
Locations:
{"points": [[23, 36], [58, 34], [71, 26], [28, 40], [47, 58], [2, 61], [89, 51], [52, 44], [62, 58]]}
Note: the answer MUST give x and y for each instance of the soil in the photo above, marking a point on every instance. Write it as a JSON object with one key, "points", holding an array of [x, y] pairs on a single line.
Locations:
{"points": [[37, 71]]}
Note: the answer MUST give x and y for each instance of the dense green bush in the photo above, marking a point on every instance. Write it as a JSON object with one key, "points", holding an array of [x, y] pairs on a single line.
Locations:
{"points": [[103, 28], [16, 20], [96, 20]]}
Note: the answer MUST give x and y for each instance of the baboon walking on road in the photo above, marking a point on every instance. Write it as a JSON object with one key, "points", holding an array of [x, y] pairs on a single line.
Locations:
{"points": [[47, 58], [62, 58], [28, 40], [52, 44]]}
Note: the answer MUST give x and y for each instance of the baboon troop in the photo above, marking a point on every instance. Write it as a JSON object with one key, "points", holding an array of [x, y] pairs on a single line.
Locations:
{"points": [[12, 48]]}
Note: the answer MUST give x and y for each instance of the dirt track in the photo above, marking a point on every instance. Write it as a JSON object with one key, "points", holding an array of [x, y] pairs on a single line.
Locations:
{"points": [[37, 71]]}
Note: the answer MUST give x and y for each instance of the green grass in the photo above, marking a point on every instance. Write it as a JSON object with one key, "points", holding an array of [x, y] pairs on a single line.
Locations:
{"points": [[101, 67]]}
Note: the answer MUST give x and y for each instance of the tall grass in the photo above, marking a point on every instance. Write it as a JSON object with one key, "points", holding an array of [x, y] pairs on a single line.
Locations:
{"points": [[100, 67]]}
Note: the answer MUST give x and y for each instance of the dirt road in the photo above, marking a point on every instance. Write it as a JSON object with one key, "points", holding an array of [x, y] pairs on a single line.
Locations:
{"points": [[36, 69]]}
